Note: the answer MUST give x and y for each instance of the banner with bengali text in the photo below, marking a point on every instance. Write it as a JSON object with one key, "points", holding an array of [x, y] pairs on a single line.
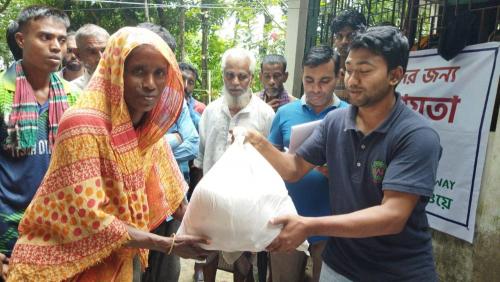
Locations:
{"points": [[458, 97]]}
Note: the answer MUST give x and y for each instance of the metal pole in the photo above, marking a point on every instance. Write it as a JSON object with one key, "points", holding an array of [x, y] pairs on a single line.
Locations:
{"points": [[146, 10]]}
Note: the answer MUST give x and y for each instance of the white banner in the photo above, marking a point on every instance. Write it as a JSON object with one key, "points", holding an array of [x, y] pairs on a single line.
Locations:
{"points": [[458, 97]]}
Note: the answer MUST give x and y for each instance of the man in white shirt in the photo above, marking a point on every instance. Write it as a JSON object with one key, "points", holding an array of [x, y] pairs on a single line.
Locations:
{"points": [[90, 42], [236, 107]]}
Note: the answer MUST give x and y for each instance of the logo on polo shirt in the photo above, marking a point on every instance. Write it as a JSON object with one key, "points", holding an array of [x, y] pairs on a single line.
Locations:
{"points": [[378, 171]]}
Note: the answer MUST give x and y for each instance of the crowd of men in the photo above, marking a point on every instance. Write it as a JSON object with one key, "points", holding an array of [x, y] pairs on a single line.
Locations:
{"points": [[360, 183]]}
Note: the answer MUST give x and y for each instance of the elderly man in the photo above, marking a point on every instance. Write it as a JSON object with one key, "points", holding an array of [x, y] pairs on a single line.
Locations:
{"points": [[72, 67], [272, 76], [320, 73], [344, 28], [32, 100], [90, 43], [236, 107]]}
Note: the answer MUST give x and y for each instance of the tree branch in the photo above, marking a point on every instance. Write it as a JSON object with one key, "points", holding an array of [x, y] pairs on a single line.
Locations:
{"points": [[4, 6]]}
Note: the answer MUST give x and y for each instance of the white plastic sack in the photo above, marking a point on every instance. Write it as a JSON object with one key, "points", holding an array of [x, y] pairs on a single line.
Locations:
{"points": [[233, 203]]}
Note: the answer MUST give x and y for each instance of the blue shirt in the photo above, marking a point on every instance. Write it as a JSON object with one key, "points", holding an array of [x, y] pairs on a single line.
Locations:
{"points": [[21, 173], [20, 176], [310, 195], [195, 116], [187, 149], [402, 154]]}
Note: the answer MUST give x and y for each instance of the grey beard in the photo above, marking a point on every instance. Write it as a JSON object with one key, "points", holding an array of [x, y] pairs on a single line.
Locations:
{"points": [[238, 102]]}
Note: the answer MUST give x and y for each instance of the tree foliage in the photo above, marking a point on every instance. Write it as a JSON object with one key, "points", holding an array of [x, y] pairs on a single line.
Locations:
{"points": [[10, 10], [166, 13]]}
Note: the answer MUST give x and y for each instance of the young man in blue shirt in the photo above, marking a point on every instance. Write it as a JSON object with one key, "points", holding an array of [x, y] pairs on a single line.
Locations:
{"points": [[320, 73], [382, 159], [190, 76], [32, 101]]}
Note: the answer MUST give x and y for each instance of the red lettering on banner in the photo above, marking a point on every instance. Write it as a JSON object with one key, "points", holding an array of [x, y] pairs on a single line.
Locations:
{"points": [[410, 76], [436, 109], [448, 74]]}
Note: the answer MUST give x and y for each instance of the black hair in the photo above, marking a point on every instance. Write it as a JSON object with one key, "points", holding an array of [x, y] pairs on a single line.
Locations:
{"points": [[36, 12], [272, 59], [185, 66], [351, 18], [10, 35], [386, 41], [162, 32], [321, 54]]}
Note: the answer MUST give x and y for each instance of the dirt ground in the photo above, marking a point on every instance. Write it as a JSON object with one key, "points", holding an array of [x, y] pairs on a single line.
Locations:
{"points": [[187, 271]]}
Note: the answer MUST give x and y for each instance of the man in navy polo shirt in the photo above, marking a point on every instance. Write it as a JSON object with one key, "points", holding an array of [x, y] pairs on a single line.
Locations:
{"points": [[320, 72], [382, 159]]}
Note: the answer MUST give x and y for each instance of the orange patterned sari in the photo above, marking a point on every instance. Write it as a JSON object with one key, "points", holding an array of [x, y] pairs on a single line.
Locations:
{"points": [[104, 175]]}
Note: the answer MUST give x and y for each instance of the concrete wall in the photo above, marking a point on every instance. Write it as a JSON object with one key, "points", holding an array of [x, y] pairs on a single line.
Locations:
{"points": [[457, 260], [295, 43]]}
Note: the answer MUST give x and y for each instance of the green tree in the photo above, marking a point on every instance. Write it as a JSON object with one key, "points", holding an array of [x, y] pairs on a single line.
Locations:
{"points": [[273, 32], [9, 10], [194, 23]]}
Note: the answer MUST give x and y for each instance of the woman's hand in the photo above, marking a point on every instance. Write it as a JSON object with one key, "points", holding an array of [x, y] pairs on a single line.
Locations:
{"points": [[187, 246]]}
